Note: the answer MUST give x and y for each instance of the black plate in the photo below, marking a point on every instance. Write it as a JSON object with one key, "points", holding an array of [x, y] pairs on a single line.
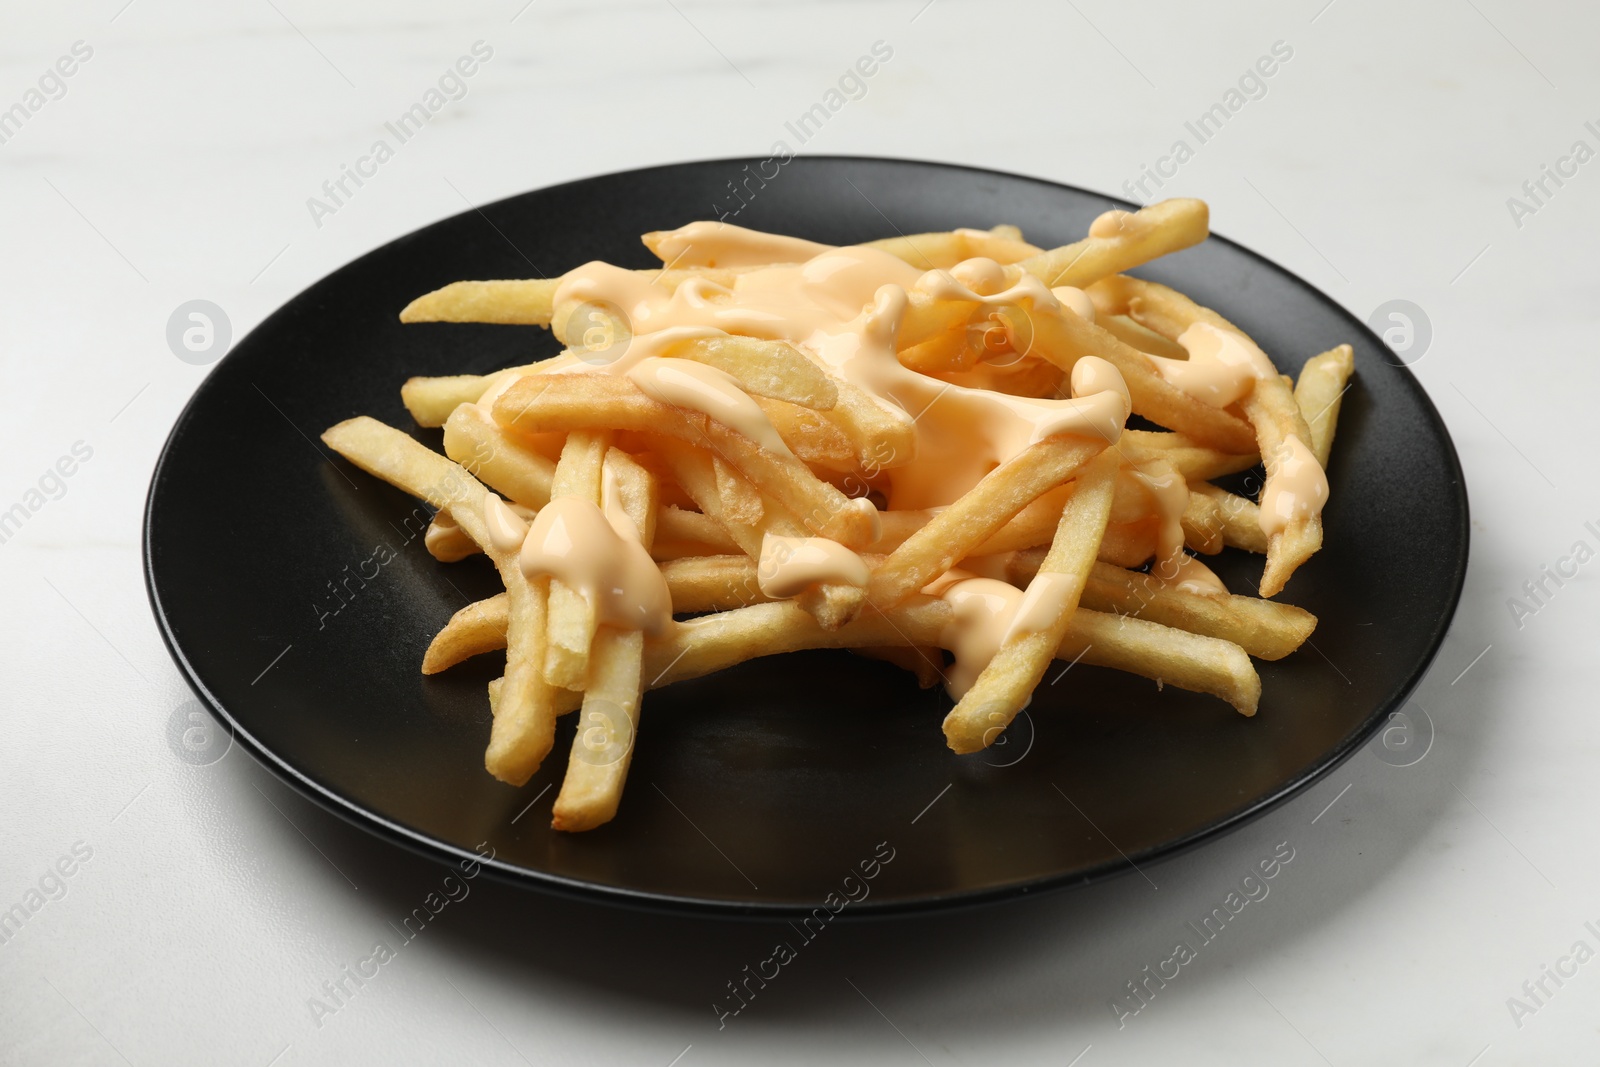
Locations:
{"points": [[758, 790]]}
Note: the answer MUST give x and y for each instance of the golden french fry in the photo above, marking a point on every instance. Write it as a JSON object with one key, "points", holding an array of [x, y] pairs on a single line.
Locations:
{"points": [[1128, 545], [1168, 656], [1270, 407], [1194, 461], [431, 400], [1143, 235], [880, 437], [477, 628], [930, 316], [627, 487], [1215, 513], [602, 748], [1062, 337], [678, 530], [573, 402], [712, 583], [447, 542], [1266, 629], [815, 437], [940, 251], [502, 462], [1319, 392], [571, 624], [1172, 657], [1272, 410], [772, 369], [833, 604], [524, 726], [741, 501], [523, 302], [1007, 682], [956, 532], [1143, 338]]}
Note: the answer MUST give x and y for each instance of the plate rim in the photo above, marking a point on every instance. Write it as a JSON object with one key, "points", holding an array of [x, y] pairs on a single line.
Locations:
{"points": [[425, 845]]}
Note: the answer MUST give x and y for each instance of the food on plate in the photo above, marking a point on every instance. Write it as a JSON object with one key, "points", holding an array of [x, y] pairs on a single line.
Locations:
{"points": [[916, 448]]}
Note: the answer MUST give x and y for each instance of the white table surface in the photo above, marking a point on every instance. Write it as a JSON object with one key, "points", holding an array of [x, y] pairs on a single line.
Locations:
{"points": [[215, 902]]}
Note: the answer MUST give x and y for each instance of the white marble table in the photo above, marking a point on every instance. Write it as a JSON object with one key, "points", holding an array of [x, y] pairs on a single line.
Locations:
{"points": [[207, 905]]}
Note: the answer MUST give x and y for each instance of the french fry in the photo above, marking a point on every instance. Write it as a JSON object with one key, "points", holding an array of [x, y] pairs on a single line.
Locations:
{"points": [[715, 642], [1128, 545], [1062, 337], [815, 437], [1194, 461], [497, 459], [602, 748], [1166, 655], [1216, 513], [740, 501], [941, 251], [1007, 682], [677, 529], [1270, 407], [574, 402], [1144, 235], [1189, 661], [713, 583], [771, 369], [928, 316], [832, 604], [524, 302], [524, 726], [477, 628], [628, 487], [1319, 392], [1144, 339], [431, 400], [572, 614], [880, 437], [447, 542], [954, 533], [1265, 629]]}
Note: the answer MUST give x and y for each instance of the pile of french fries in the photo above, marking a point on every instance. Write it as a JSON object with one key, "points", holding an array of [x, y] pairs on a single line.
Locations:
{"points": [[702, 499]]}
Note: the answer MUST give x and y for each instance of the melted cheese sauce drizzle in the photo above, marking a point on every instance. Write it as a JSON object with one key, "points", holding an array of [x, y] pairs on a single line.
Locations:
{"points": [[1222, 367], [572, 539], [1192, 576], [1296, 487], [686, 384], [1041, 605], [981, 612], [1169, 495], [506, 529], [790, 565]]}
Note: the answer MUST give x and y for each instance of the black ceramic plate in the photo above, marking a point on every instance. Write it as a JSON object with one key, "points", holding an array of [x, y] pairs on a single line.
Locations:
{"points": [[760, 789]]}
